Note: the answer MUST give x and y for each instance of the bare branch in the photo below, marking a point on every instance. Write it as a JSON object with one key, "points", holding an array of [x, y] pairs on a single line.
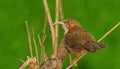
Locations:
{"points": [[49, 21], [112, 29], [29, 39], [36, 50], [43, 49]]}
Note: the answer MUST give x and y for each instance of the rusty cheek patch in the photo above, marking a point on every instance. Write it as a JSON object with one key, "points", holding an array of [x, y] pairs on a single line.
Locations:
{"points": [[73, 25]]}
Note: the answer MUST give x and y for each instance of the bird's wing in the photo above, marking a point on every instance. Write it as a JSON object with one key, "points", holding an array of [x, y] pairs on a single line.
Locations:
{"points": [[92, 46], [77, 39]]}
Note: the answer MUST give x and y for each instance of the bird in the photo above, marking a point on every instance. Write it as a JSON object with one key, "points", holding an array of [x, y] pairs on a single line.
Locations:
{"points": [[77, 39]]}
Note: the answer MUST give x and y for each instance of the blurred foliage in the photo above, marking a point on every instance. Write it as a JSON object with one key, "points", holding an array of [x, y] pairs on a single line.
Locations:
{"points": [[96, 16]]}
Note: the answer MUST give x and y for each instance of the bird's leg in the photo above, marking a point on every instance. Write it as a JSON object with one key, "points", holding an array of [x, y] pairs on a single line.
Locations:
{"points": [[83, 52]]}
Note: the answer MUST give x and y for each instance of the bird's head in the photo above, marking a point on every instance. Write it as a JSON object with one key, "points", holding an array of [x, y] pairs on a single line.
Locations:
{"points": [[70, 24]]}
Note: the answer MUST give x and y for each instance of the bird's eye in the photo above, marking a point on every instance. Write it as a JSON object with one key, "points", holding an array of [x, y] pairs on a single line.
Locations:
{"points": [[68, 22]]}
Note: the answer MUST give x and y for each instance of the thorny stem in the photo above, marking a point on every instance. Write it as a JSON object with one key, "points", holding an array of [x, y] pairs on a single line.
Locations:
{"points": [[43, 49], [49, 21], [29, 38], [118, 24], [36, 50]]}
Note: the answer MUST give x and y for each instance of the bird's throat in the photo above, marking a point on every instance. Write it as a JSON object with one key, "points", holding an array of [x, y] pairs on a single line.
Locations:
{"points": [[65, 29]]}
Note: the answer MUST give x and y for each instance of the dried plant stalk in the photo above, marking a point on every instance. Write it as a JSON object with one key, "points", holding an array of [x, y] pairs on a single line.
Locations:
{"points": [[43, 49], [61, 10], [35, 45], [112, 29], [77, 59], [29, 39], [49, 21], [44, 30], [56, 28], [31, 61]]}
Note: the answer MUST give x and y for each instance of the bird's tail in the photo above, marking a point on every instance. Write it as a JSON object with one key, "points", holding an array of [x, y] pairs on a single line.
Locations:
{"points": [[92, 46]]}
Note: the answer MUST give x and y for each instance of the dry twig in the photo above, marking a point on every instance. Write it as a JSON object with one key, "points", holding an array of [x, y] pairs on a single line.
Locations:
{"points": [[112, 29], [31, 62], [43, 49], [29, 39], [56, 29], [61, 10], [49, 21], [36, 50], [44, 29], [77, 59]]}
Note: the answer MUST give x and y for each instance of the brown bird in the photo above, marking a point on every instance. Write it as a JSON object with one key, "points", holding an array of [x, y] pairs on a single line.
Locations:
{"points": [[77, 39]]}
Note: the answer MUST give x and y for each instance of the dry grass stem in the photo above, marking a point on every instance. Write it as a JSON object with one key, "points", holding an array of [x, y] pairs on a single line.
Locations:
{"points": [[76, 60], [49, 21], [43, 39], [29, 38], [44, 29], [43, 49], [21, 60], [56, 29], [61, 10], [36, 50], [41, 56], [112, 29]]}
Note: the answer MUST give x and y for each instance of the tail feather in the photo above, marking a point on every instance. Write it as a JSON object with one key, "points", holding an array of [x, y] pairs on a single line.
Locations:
{"points": [[92, 46]]}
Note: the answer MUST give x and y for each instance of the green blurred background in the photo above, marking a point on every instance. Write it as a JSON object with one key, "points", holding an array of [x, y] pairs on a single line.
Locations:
{"points": [[96, 16]]}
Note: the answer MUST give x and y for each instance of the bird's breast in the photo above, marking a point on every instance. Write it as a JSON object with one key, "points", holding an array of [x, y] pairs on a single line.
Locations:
{"points": [[75, 37]]}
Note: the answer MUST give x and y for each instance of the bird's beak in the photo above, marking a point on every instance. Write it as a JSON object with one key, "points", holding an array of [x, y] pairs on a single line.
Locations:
{"points": [[59, 23]]}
